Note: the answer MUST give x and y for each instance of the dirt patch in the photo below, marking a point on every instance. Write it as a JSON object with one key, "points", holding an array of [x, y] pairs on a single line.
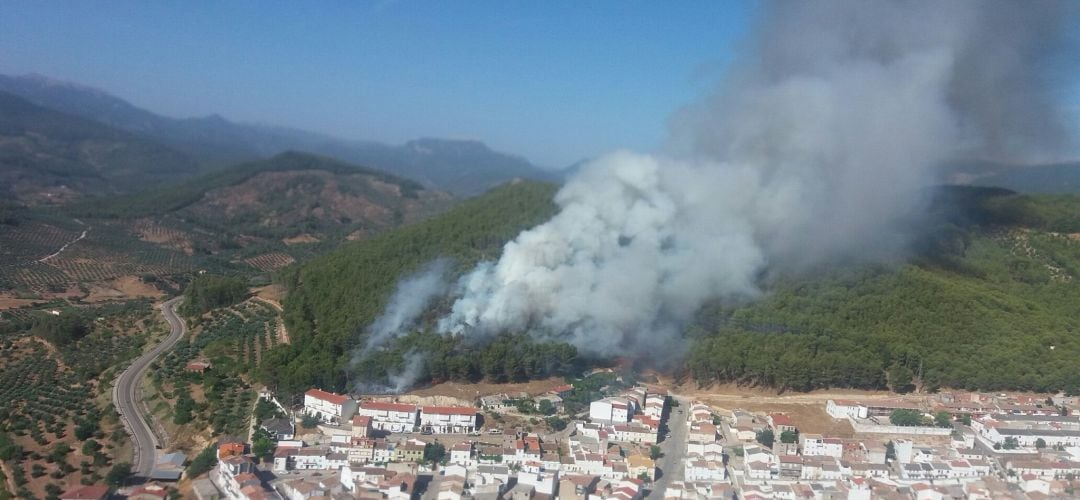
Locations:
{"points": [[124, 287], [271, 294], [8, 301], [300, 239], [469, 392]]}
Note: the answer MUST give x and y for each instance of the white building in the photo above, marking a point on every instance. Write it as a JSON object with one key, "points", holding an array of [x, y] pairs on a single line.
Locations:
{"points": [[462, 454], [634, 433], [328, 407], [614, 410], [704, 470], [842, 408], [390, 417], [814, 445], [448, 419]]}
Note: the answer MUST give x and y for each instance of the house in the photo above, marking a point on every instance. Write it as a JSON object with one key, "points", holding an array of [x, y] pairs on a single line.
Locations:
{"points": [[781, 423], [611, 410], [281, 429], [704, 470], [328, 407], [633, 433], [168, 467], [361, 426], [86, 493], [843, 408], [390, 417], [495, 403], [449, 419], [152, 491], [554, 399], [361, 450], [412, 451], [815, 445], [310, 459], [230, 449], [702, 431], [562, 390], [198, 367], [461, 454]]}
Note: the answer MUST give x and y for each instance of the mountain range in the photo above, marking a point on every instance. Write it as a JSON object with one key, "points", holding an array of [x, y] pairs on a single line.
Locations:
{"points": [[461, 167]]}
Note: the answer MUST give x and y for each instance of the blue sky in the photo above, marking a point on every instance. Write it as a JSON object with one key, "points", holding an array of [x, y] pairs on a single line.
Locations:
{"points": [[553, 81]]}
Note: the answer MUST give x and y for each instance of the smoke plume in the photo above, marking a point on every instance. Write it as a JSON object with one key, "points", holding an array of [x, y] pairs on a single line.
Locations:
{"points": [[824, 132]]}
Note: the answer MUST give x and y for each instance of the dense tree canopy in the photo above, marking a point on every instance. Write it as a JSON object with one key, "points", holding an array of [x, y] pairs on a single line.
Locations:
{"points": [[209, 291]]}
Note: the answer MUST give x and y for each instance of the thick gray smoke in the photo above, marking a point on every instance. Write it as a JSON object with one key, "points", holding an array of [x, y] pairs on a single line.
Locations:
{"points": [[827, 128]]}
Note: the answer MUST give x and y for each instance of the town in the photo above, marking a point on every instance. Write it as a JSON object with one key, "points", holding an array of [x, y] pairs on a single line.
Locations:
{"points": [[637, 441]]}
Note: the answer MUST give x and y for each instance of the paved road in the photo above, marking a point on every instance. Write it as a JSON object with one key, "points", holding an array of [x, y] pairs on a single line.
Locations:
{"points": [[126, 398], [674, 450]]}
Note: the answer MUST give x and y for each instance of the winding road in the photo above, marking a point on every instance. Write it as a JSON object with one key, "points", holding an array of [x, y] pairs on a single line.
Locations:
{"points": [[126, 397]]}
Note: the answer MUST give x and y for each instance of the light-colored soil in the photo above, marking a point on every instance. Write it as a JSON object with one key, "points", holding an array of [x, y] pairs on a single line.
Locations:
{"points": [[122, 288], [469, 392], [271, 294], [300, 239], [8, 301]]}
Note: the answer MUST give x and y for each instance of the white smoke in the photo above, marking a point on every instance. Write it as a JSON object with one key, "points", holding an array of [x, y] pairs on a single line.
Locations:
{"points": [[410, 299], [822, 135]]}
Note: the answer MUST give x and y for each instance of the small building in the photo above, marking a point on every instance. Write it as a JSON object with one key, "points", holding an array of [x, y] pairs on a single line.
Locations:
{"points": [[228, 449], [198, 367], [281, 429], [328, 407], [361, 426], [409, 452], [92, 492]]}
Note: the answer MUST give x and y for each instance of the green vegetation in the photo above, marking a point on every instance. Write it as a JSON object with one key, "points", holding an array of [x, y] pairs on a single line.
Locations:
{"points": [[334, 297], [765, 437], [789, 437], [434, 453], [63, 329], [985, 305], [175, 197], [203, 462], [907, 418], [208, 292]]}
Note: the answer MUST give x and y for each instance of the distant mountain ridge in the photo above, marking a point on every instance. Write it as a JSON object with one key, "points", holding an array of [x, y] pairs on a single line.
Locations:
{"points": [[47, 156], [461, 167]]}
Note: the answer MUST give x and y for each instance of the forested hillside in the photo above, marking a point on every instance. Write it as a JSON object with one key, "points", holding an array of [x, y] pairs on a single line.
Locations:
{"points": [[993, 304], [332, 298]]}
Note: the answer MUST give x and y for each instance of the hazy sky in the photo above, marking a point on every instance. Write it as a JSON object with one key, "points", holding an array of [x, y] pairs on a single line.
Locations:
{"points": [[553, 81]]}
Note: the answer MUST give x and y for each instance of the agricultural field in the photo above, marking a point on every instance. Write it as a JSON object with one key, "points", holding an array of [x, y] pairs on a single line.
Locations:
{"points": [[270, 261], [58, 410], [197, 406]]}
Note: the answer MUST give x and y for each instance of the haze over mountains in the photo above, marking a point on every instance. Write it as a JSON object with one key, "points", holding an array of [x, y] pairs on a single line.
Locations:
{"points": [[459, 166]]}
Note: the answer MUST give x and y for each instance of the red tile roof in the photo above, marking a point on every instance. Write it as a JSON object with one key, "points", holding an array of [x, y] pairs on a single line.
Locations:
{"points": [[361, 421], [781, 419], [379, 406], [86, 493], [450, 410], [327, 396]]}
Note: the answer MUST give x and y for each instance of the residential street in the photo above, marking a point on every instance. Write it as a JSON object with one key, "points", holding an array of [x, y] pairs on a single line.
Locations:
{"points": [[126, 397], [674, 449]]}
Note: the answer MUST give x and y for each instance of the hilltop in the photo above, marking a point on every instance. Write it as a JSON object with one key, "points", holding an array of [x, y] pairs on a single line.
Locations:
{"points": [[986, 290], [248, 220]]}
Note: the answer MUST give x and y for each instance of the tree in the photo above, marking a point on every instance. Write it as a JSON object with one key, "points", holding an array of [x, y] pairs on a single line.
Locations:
{"points": [[966, 419], [309, 421], [90, 447], [203, 462], [1040, 443], [943, 419], [901, 378], [546, 407], [262, 446], [1010, 443], [118, 474], [434, 453], [906, 418], [555, 423], [890, 451], [8, 449], [655, 452], [789, 437], [765, 437]]}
